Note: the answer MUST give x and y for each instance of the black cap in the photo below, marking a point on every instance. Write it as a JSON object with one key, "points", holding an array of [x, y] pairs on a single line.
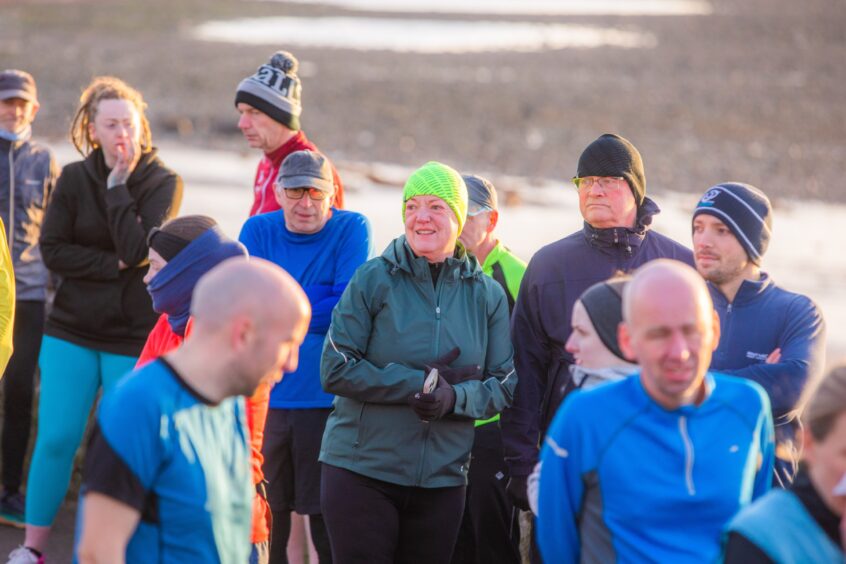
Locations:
{"points": [[612, 155], [604, 305], [480, 191], [17, 84]]}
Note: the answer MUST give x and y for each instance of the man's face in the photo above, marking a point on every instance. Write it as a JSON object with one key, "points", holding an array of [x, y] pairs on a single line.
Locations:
{"points": [[672, 334], [304, 215], [719, 256], [16, 114], [260, 130], [611, 205], [476, 229]]}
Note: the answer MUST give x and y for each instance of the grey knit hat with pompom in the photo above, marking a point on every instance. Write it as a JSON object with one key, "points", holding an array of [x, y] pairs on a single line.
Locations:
{"points": [[275, 89]]}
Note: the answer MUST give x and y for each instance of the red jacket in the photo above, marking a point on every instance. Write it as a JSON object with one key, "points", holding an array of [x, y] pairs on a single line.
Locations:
{"points": [[268, 168], [161, 341]]}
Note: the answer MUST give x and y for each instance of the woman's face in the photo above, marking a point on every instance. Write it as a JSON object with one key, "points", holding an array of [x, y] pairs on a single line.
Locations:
{"points": [[116, 123], [827, 463], [156, 264], [431, 227], [585, 345]]}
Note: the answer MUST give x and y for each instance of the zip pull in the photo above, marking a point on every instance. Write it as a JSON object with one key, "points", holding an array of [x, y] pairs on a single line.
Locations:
{"points": [[438, 312]]}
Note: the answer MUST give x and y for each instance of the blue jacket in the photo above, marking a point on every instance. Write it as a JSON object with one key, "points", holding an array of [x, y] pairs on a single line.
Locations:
{"points": [[541, 323], [28, 173], [625, 480], [323, 263], [761, 318]]}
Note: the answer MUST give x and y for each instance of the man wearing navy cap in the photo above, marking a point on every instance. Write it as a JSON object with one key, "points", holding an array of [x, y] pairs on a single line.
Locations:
{"points": [[771, 336]]}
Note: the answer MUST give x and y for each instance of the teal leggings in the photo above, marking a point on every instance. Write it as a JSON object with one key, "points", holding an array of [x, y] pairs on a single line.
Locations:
{"points": [[70, 378]]}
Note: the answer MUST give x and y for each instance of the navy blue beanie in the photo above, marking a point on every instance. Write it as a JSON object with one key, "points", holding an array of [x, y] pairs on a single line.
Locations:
{"points": [[745, 210]]}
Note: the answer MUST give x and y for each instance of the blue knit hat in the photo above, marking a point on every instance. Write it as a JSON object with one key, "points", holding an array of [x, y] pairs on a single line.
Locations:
{"points": [[745, 210]]}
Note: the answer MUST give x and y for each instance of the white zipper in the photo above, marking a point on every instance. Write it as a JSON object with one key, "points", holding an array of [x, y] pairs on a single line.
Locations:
{"points": [[688, 456]]}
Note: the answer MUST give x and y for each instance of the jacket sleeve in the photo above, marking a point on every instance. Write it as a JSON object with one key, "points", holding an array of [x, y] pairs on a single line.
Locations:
{"points": [[561, 489], [354, 251], [520, 422], [60, 254], [7, 301], [766, 444], [130, 221], [480, 399], [802, 345], [344, 369]]}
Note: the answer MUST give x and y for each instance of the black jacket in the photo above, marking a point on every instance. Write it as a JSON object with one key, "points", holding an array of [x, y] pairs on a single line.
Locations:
{"points": [[86, 231], [541, 324]]}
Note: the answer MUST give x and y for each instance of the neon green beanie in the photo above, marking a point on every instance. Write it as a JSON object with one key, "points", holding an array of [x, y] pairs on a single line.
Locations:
{"points": [[436, 179]]}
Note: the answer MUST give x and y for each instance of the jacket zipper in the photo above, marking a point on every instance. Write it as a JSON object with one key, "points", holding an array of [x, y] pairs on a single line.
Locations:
{"points": [[426, 428], [688, 456]]}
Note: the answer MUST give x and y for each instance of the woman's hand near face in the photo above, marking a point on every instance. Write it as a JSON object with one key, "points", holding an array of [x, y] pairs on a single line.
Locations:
{"points": [[128, 155]]}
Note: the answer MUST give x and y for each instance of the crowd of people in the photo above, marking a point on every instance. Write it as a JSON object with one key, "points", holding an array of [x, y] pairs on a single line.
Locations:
{"points": [[641, 401]]}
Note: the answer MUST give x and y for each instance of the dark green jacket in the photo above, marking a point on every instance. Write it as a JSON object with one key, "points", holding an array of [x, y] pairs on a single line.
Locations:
{"points": [[390, 322]]}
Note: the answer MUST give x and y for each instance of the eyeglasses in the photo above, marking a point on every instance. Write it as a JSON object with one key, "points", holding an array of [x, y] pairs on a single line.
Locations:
{"points": [[298, 193], [605, 182]]}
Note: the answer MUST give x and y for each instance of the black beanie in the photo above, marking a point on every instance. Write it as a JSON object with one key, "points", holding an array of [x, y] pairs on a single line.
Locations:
{"points": [[745, 210], [604, 305], [178, 233], [612, 155]]}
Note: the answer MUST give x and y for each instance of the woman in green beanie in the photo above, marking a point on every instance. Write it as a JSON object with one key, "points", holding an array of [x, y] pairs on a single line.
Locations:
{"points": [[395, 458]]}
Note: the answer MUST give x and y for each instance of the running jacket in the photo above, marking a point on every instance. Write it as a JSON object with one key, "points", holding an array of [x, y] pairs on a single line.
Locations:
{"points": [[87, 230], [761, 318], [323, 264], [28, 174], [556, 276], [264, 197], [625, 480], [390, 322]]}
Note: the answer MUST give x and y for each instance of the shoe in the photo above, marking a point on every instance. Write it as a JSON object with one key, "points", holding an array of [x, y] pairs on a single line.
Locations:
{"points": [[12, 510], [23, 555]]}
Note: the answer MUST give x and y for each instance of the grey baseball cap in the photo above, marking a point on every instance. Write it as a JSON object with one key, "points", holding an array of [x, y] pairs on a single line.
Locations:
{"points": [[17, 84], [306, 169], [481, 194]]}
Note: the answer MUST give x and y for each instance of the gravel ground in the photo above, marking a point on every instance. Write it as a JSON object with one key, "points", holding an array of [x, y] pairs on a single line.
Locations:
{"points": [[753, 92]]}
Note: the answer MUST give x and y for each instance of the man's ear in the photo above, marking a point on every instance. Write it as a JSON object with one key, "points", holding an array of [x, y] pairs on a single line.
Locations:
{"points": [[624, 339], [493, 219], [715, 330], [240, 332]]}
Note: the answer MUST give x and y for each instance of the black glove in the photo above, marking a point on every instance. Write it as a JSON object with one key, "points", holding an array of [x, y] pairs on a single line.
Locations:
{"points": [[454, 375], [435, 405], [518, 491]]}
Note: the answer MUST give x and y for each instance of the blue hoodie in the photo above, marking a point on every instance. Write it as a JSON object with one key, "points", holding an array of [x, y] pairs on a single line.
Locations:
{"points": [[625, 480]]}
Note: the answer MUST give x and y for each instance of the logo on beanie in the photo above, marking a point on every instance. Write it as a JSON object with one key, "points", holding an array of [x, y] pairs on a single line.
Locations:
{"points": [[275, 78], [710, 195]]}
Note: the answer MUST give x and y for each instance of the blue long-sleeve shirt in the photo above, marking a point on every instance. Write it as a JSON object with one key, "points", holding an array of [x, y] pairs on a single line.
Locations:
{"points": [[323, 263], [625, 480], [761, 318]]}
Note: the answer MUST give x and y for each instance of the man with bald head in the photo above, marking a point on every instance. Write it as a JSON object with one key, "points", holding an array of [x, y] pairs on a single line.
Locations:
{"points": [[650, 468], [167, 475]]}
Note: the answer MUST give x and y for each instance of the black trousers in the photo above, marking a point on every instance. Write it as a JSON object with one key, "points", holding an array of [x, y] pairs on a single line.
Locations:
{"points": [[18, 384], [490, 529], [375, 522]]}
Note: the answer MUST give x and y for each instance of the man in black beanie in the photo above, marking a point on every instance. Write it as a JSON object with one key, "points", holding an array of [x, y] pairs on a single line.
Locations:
{"points": [[770, 335], [269, 104], [616, 236]]}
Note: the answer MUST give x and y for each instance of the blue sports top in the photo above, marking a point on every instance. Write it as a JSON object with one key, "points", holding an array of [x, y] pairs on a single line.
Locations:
{"points": [[182, 462], [323, 263], [625, 480]]}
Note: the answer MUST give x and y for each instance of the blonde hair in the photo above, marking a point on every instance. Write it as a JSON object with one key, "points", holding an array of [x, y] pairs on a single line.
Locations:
{"points": [[106, 88], [825, 403]]}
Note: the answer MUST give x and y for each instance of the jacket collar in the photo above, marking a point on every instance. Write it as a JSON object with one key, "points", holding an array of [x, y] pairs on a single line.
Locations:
{"points": [[400, 256], [295, 142], [748, 292], [626, 239]]}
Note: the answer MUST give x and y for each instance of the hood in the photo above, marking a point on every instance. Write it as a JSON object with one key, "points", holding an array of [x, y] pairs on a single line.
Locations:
{"points": [[399, 255]]}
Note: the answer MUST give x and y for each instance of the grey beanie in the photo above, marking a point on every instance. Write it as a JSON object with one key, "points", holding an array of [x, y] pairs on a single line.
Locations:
{"points": [[612, 155], [275, 89]]}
